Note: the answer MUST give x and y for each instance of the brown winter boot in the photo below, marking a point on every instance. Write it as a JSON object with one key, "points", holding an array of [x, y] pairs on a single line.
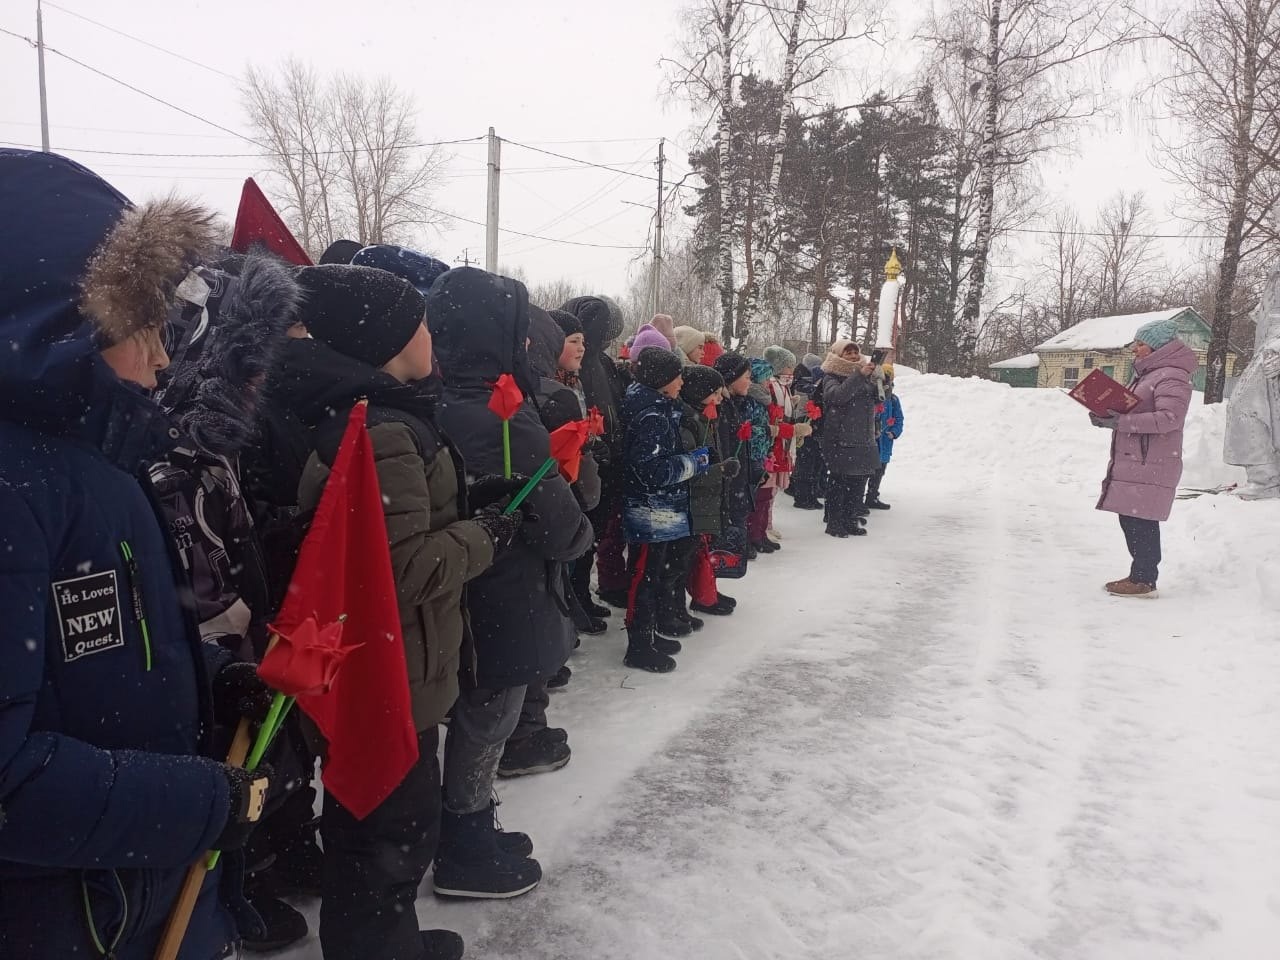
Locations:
{"points": [[1127, 588]]}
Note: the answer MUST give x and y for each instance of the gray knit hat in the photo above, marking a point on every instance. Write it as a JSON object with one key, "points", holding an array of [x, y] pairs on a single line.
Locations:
{"points": [[780, 358]]}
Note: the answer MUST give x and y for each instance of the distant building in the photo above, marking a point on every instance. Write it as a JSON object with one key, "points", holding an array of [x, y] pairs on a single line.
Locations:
{"points": [[1021, 371], [1102, 343]]}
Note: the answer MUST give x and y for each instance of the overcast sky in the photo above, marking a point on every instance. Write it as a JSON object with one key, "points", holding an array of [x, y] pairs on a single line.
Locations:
{"points": [[578, 77]]}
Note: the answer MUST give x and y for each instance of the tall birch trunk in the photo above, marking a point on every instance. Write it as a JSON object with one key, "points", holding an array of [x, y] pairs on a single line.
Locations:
{"points": [[986, 172]]}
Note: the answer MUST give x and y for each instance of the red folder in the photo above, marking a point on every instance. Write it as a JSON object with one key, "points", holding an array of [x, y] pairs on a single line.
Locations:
{"points": [[1102, 395]]}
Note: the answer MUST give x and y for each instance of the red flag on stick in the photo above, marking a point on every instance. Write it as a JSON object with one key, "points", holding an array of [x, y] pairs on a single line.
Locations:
{"points": [[566, 447], [341, 609], [258, 222]]}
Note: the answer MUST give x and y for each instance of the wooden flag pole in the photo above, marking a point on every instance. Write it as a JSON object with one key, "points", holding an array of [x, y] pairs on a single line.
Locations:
{"points": [[175, 928]]}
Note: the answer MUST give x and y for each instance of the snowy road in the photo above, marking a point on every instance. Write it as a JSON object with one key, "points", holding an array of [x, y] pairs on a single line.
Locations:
{"points": [[941, 741]]}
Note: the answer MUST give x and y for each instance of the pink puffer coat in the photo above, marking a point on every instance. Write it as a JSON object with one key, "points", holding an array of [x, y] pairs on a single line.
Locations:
{"points": [[1146, 454]]}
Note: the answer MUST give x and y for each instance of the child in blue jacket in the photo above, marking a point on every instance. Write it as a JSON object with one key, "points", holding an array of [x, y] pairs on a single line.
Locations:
{"points": [[655, 510], [889, 426]]}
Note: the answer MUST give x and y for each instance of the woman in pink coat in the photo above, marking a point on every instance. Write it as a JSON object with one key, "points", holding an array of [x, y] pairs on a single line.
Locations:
{"points": [[1146, 454]]}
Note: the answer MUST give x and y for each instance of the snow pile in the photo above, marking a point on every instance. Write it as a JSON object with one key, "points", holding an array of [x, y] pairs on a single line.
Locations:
{"points": [[1105, 333]]}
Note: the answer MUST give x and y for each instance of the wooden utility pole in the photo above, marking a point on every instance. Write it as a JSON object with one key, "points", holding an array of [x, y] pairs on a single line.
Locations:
{"points": [[491, 209]]}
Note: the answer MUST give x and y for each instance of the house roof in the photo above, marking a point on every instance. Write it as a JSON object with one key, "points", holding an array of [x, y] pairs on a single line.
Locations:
{"points": [[1028, 361], [1108, 333]]}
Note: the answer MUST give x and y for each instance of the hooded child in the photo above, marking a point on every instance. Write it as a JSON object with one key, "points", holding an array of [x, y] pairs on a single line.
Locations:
{"points": [[850, 395]]}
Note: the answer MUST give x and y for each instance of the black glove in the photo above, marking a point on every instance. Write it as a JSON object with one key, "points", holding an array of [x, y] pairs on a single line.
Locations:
{"points": [[248, 798], [731, 467], [491, 488], [501, 529], [239, 692], [1106, 423]]}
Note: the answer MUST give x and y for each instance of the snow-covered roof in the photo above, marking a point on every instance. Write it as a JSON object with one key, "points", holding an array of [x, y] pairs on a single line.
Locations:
{"points": [[1028, 361], [1105, 333]]}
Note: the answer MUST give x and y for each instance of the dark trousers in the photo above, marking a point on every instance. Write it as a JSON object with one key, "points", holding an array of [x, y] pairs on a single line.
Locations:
{"points": [[845, 495], [483, 719], [680, 563], [808, 481], [873, 485], [372, 867], [758, 521], [533, 712], [649, 565], [1143, 537], [611, 568]]}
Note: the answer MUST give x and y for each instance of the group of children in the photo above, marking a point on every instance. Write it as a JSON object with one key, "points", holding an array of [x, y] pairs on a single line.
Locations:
{"points": [[170, 413]]}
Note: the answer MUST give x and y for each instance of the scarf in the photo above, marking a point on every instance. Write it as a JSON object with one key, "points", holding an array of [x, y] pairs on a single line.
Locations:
{"points": [[838, 365]]}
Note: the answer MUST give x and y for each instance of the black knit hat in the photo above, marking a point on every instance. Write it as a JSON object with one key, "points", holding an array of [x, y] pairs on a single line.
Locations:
{"points": [[655, 367], [340, 251], [731, 366], [366, 314], [568, 322], [699, 383]]}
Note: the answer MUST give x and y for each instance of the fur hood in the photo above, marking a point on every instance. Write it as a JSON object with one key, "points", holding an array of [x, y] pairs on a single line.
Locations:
{"points": [[227, 333], [130, 281]]}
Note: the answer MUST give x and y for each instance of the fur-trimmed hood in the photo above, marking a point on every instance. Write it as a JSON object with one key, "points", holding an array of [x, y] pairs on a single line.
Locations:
{"points": [[130, 282], [226, 332]]}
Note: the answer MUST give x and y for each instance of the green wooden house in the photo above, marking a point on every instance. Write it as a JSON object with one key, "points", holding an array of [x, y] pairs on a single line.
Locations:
{"points": [[1021, 371]]}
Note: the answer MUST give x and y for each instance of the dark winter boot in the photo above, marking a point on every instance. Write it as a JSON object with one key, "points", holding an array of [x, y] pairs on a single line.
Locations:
{"points": [[877, 504], [666, 645], [807, 504], [641, 654], [836, 530], [673, 626], [538, 753], [614, 598], [281, 924], [441, 945], [693, 621], [599, 611], [721, 608], [560, 679], [593, 627], [470, 864]]}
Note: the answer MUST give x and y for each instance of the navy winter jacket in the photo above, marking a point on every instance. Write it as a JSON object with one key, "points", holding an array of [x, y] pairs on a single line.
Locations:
{"points": [[655, 507], [106, 798]]}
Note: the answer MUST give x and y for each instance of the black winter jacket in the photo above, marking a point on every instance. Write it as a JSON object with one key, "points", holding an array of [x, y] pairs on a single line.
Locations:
{"points": [[519, 609], [848, 435]]}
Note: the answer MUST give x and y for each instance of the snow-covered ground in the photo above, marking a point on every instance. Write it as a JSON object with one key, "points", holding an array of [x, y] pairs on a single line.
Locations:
{"points": [[940, 741]]}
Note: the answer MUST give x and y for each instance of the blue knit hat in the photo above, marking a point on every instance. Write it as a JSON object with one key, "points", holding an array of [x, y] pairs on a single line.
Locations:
{"points": [[418, 268], [1157, 333]]}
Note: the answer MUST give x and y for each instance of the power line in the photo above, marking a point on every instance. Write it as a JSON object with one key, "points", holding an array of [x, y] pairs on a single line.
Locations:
{"points": [[1136, 236], [585, 163], [222, 156], [145, 43], [137, 90], [136, 133], [534, 236]]}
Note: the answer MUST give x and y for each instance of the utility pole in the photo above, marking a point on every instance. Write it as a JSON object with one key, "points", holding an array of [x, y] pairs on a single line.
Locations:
{"points": [[657, 232], [44, 99], [491, 210]]}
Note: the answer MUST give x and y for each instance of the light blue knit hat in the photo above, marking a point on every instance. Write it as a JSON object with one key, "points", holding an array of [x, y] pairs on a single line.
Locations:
{"points": [[1157, 333]]}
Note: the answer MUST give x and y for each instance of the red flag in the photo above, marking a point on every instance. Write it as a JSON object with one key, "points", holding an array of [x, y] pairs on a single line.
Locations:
{"points": [[596, 420], [566, 447], [744, 431], [506, 397], [343, 580], [258, 222], [813, 411]]}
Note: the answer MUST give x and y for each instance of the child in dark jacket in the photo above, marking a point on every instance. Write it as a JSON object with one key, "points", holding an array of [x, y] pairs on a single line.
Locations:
{"points": [[702, 395], [655, 510], [744, 428]]}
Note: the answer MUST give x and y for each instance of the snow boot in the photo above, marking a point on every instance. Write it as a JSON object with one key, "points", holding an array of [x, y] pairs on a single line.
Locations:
{"points": [[1128, 588], [593, 627], [539, 753], [877, 504], [766, 546], [441, 945], [470, 864], [693, 621], [561, 678], [752, 552], [807, 504], [614, 598], [281, 924], [666, 645], [837, 531], [721, 608], [597, 610], [642, 655]]}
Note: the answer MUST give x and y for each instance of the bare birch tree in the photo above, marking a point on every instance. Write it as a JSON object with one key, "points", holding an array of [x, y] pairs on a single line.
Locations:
{"points": [[1225, 96], [1068, 265], [345, 156], [1125, 255], [1028, 59]]}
